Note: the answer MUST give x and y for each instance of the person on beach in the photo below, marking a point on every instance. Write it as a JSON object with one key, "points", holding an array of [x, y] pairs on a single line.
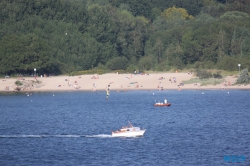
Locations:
{"points": [[94, 87]]}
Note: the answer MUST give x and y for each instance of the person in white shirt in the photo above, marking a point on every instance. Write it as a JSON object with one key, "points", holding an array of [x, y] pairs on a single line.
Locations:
{"points": [[165, 101]]}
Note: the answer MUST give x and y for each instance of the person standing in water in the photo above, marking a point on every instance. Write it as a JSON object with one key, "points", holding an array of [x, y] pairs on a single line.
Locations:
{"points": [[165, 101], [107, 91]]}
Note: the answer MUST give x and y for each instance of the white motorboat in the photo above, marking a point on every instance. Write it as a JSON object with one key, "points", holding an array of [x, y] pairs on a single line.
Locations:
{"points": [[128, 131]]}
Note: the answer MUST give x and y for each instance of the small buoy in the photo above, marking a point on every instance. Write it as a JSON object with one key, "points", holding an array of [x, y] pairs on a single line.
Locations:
{"points": [[153, 93], [228, 92], [202, 93], [53, 95]]}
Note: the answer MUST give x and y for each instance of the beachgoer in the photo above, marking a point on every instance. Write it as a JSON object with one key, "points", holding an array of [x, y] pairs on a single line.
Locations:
{"points": [[174, 79], [107, 96]]}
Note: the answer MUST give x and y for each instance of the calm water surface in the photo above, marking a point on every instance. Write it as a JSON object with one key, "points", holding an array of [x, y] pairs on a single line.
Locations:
{"points": [[74, 128]]}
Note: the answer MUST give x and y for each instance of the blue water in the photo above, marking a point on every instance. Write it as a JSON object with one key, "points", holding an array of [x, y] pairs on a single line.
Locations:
{"points": [[74, 128]]}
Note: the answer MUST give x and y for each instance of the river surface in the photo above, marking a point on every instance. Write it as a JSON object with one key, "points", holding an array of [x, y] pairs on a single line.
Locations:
{"points": [[74, 128]]}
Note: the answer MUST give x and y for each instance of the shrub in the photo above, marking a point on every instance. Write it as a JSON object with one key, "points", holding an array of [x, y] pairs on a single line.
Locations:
{"points": [[18, 83], [203, 74], [217, 75], [243, 77], [131, 68]]}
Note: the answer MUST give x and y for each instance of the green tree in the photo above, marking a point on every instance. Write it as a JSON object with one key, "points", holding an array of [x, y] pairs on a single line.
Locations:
{"points": [[24, 53], [244, 77], [118, 63], [174, 13]]}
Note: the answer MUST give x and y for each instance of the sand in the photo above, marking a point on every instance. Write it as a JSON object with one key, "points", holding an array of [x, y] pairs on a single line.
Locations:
{"points": [[117, 82]]}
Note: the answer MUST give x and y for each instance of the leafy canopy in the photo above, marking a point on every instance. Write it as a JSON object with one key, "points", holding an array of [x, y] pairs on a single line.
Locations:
{"points": [[176, 13]]}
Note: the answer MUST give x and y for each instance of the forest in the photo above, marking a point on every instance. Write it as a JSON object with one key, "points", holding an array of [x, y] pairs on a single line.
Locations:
{"points": [[64, 36]]}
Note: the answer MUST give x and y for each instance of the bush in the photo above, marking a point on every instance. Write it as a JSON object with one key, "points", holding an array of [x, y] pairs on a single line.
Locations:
{"points": [[18, 83], [243, 77], [217, 75], [203, 74], [131, 68]]}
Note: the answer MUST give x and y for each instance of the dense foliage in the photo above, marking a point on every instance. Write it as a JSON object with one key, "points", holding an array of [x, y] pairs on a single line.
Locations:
{"points": [[244, 77], [64, 36], [204, 74]]}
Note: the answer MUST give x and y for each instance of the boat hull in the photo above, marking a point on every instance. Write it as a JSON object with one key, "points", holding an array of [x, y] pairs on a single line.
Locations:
{"points": [[129, 133], [162, 105]]}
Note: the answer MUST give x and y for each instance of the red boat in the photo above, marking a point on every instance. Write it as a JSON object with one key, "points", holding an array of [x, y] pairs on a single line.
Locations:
{"points": [[162, 104]]}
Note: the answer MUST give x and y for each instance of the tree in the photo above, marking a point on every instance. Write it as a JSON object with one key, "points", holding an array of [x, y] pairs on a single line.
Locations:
{"points": [[158, 48], [174, 13], [118, 63], [24, 53], [244, 77], [145, 63]]}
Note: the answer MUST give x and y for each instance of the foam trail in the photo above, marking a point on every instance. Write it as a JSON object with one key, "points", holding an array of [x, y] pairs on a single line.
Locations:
{"points": [[41, 136], [54, 136], [99, 136]]}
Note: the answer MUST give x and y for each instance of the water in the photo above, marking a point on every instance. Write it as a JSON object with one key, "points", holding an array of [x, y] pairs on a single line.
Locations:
{"points": [[74, 128]]}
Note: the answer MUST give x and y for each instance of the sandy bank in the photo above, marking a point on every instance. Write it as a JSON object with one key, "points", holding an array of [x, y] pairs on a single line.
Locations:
{"points": [[117, 82]]}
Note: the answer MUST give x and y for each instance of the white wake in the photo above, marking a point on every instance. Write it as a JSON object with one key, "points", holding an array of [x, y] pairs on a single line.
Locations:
{"points": [[54, 136]]}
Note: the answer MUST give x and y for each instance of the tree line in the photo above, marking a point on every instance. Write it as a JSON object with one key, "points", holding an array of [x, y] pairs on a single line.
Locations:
{"points": [[62, 36]]}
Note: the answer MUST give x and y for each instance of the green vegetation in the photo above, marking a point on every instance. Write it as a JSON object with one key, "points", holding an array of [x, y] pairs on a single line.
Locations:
{"points": [[205, 77], [18, 83], [73, 37], [204, 82], [203, 74], [244, 77]]}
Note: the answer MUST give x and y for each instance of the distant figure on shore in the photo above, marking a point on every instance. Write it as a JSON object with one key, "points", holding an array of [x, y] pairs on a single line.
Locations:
{"points": [[94, 87], [161, 78], [95, 77]]}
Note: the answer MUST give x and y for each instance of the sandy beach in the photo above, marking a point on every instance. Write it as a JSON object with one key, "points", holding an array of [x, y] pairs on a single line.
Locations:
{"points": [[117, 82]]}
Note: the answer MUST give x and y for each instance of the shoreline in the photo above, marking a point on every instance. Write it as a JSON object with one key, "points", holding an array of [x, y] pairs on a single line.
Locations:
{"points": [[104, 91], [117, 82]]}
